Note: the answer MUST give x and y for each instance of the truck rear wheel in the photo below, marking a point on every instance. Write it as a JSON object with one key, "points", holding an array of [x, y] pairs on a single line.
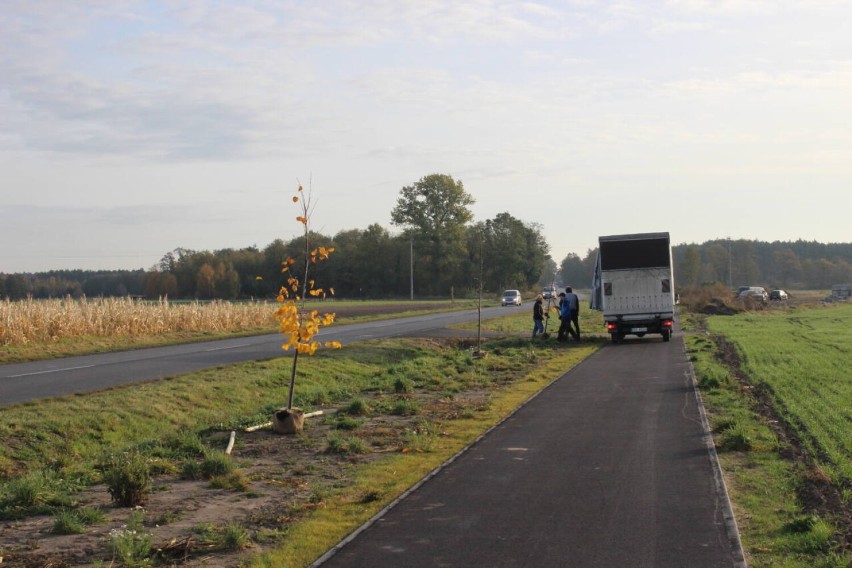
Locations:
{"points": [[667, 334]]}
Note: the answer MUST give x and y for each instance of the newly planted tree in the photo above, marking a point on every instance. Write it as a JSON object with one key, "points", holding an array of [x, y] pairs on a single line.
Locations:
{"points": [[298, 324]]}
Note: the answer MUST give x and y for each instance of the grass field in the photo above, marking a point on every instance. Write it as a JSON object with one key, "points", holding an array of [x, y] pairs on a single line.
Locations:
{"points": [[804, 359], [776, 384], [778, 390], [403, 407]]}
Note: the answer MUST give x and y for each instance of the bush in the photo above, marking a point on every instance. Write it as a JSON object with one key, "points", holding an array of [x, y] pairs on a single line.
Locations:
{"points": [[358, 407], [403, 386], [67, 522], [814, 534], [345, 445], [33, 489], [216, 464], [185, 444], [213, 465], [131, 547], [234, 537], [191, 470], [346, 423], [714, 299], [405, 408], [735, 439], [234, 481], [127, 478], [75, 521], [713, 378]]}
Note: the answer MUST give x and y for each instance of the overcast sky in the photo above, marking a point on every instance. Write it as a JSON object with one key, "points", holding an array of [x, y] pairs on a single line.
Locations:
{"points": [[128, 129]]}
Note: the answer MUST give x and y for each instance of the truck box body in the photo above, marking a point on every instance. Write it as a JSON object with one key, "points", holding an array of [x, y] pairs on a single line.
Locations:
{"points": [[633, 285]]}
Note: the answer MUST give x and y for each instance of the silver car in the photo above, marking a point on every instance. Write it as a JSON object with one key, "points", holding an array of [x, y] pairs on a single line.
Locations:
{"points": [[755, 293], [511, 298]]}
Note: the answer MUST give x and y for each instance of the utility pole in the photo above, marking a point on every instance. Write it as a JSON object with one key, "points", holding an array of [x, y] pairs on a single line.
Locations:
{"points": [[479, 304], [730, 261], [411, 256]]}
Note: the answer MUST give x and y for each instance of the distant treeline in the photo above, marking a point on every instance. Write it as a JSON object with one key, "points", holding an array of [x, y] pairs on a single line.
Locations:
{"points": [[366, 264], [796, 265], [372, 263]]}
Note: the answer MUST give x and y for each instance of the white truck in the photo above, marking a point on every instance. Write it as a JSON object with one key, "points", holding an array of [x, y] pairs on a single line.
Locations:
{"points": [[633, 285]]}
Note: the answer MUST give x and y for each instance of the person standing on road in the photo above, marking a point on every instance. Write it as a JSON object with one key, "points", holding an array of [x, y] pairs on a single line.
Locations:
{"points": [[573, 301], [538, 316]]}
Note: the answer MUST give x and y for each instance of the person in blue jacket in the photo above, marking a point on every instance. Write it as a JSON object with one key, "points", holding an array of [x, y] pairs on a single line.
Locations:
{"points": [[564, 317]]}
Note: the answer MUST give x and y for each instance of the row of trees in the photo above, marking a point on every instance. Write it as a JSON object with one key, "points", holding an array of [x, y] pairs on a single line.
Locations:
{"points": [[439, 249], [734, 263], [442, 252], [797, 265]]}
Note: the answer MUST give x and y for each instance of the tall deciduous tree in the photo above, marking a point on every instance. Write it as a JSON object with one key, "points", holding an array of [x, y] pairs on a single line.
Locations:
{"points": [[515, 254], [434, 212], [574, 271], [205, 281]]}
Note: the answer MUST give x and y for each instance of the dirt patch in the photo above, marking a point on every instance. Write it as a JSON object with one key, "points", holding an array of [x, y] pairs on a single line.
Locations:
{"points": [[815, 492], [285, 477], [718, 307]]}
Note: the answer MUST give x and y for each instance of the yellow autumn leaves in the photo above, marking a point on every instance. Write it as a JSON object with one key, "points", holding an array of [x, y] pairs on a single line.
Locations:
{"points": [[300, 328], [297, 324]]}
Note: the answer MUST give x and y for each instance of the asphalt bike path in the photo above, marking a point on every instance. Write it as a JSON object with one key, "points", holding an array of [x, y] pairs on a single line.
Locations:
{"points": [[609, 466]]}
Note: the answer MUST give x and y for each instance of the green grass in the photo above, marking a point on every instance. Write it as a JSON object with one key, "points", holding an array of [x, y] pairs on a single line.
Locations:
{"points": [[777, 530], [376, 483], [803, 359], [75, 521], [591, 322], [68, 438]]}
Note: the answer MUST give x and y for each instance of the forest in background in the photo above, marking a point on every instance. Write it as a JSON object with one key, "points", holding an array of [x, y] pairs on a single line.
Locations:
{"points": [[439, 253], [372, 263], [440, 249], [797, 265]]}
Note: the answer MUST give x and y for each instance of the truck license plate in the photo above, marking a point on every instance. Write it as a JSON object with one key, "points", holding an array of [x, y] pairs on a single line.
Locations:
{"points": [[639, 329]]}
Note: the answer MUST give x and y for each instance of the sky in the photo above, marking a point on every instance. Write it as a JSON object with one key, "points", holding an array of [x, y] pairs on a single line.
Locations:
{"points": [[129, 129]]}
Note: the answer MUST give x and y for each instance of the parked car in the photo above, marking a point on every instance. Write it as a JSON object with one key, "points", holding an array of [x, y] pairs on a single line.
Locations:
{"points": [[778, 295], [548, 292], [755, 293], [511, 298]]}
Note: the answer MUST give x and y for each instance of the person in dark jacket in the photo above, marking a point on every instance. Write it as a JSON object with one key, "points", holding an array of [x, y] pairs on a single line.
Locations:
{"points": [[538, 316], [573, 301]]}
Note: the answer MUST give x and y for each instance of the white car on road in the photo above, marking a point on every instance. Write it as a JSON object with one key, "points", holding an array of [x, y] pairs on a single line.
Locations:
{"points": [[511, 298]]}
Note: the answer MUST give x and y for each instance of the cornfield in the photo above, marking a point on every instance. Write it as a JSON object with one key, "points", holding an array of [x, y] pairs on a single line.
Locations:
{"points": [[42, 321]]}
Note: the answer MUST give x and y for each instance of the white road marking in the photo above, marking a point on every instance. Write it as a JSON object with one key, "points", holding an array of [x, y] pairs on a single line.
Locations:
{"points": [[226, 348], [50, 371]]}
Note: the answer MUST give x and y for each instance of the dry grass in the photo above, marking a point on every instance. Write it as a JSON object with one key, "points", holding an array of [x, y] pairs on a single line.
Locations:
{"points": [[44, 321]]}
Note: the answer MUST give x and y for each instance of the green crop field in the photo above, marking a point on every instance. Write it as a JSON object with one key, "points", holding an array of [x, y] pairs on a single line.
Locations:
{"points": [[778, 391], [804, 358]]}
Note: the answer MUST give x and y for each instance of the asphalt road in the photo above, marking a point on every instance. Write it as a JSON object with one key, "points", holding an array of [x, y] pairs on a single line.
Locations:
{"points": [[607, 467], [23, 382]]}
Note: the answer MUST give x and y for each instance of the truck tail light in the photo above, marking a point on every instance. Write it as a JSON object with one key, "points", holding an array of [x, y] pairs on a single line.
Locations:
{"points": [[611, 327], [667, 323]]}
